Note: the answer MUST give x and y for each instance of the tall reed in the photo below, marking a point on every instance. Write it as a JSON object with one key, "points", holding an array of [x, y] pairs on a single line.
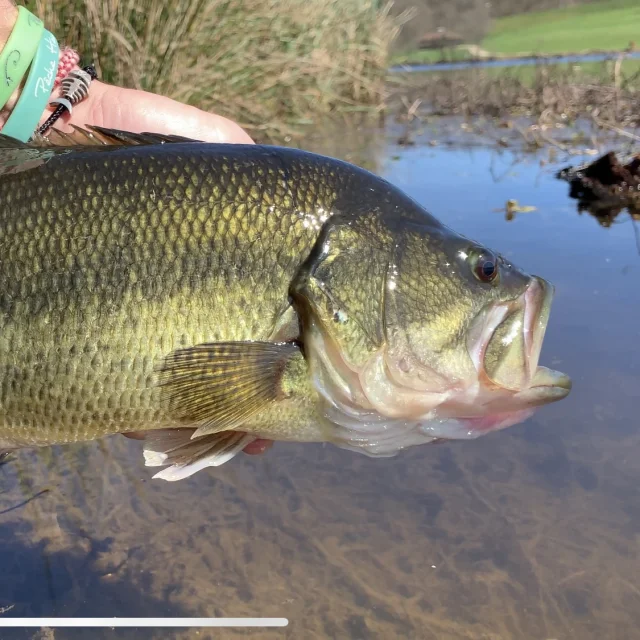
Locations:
{"points": [[269, 64]]}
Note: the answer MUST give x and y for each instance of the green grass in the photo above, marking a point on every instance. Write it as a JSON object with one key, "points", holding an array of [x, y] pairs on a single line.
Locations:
{"points": [[609, 24], [584, 72], [630, 67], [606, 25]]}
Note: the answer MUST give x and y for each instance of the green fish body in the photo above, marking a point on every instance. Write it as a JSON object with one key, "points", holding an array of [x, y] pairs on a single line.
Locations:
{"points": [[150, 285]]}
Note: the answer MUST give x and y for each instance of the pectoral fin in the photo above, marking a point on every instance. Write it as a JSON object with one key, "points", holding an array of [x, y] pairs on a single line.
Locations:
{"points": [[217, 387]]}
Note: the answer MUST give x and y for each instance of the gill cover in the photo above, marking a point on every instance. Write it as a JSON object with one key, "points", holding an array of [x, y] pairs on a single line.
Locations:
{"points": [[339, 291]]}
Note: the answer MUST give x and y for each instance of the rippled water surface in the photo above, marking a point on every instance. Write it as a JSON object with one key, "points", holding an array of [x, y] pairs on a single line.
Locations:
{"points": [[530, 533]]}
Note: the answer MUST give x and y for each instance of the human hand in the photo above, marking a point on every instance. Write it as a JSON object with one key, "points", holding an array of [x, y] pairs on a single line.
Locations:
{"points": [[130, 109], [138, 111]]}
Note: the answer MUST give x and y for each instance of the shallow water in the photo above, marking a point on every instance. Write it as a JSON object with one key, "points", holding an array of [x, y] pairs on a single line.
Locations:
{"points": [[513, 62], [530, 533]]}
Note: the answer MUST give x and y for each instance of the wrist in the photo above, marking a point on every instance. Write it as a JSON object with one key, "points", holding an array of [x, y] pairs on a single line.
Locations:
{"points": [[67, 61], [8, 17]]}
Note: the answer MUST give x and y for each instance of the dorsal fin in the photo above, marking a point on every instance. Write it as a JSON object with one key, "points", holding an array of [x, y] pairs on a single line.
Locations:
{"points": [[16, 156], [93, 136]]}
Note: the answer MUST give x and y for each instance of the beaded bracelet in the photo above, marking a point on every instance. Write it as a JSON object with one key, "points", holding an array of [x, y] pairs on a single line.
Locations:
{"points": [[69, 60]]}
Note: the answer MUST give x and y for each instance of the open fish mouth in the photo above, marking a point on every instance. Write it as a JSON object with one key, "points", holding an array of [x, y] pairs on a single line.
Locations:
{"points": [[505, 344]]}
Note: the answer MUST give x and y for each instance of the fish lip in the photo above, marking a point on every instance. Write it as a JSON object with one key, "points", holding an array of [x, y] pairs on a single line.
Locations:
{"points": [[557, 385], [538, 298]]}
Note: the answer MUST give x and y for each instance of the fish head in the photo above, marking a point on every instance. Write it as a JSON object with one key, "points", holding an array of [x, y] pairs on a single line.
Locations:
{"points": [[407, 323], [466, 324]]}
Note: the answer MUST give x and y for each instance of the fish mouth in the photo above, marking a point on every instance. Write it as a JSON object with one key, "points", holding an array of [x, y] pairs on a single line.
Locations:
{"points": [[505, 344]]}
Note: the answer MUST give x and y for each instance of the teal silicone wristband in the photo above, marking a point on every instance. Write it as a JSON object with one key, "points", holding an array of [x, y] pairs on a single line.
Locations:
{"points": [[36, 92], [17, 54]]}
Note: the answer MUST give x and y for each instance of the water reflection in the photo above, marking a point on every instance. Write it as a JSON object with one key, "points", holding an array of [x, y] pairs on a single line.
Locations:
{"points": [[514, 62], [528, 533], [607, 189]]}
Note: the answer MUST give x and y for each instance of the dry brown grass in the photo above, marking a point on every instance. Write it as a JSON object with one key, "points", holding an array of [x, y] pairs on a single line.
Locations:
{"points": [[269, 64], [544, 92]]}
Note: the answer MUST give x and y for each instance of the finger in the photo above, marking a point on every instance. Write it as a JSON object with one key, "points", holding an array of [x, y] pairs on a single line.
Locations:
{"points": [[138, 111], [258, 447]]}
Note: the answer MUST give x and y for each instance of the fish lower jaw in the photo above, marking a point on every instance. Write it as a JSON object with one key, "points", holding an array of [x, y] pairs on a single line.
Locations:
{"points": [[378, 436], [367, 411], [372, 434]]}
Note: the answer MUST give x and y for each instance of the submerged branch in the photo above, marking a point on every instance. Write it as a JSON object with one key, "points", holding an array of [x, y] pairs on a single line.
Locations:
{"points": [[24, 502]]}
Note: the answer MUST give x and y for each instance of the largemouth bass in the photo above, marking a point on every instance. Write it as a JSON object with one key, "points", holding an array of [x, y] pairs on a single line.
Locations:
{"points": [[207, 295]]}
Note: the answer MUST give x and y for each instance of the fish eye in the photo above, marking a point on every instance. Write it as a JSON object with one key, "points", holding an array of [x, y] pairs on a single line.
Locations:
{"points": [[484, 265]]}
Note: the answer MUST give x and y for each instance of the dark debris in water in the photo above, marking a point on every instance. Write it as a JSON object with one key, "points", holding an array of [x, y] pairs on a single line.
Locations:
{"points": [[24, 503], [512, 208], [606, 187]]}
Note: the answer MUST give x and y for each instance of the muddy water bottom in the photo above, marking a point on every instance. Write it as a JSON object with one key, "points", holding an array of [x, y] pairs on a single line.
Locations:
{"points": [[531, 533]]}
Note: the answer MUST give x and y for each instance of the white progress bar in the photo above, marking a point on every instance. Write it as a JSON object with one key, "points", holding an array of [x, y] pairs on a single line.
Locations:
{"points": [[142, 622]]}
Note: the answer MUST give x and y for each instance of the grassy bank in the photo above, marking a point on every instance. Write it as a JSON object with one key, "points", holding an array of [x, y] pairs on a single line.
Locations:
{"points": [[608, 25], [268, 64]]}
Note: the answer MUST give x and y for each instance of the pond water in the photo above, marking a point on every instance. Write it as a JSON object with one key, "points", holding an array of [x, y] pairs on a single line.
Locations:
{"points": [[530, 533], [514, 62]]}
